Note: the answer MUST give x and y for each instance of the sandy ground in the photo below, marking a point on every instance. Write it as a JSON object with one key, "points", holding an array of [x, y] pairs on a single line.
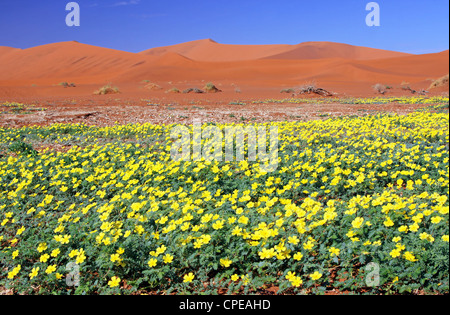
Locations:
{"points": [[108, 110]]}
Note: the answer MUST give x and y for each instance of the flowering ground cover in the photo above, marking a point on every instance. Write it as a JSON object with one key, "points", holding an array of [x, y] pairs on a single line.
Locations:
{"points": [[352, 100], [356, 204]]}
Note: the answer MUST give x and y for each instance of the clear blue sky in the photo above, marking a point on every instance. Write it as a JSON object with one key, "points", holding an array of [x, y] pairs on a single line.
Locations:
{"points": [[414, 26]]}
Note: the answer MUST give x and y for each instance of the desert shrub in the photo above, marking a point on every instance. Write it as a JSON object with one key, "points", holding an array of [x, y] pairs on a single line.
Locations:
{"points": [[406, 88], [193, 90], [379, 88], [153, 86], [311, 88], [288, 91], [439, 82], [173, 90], [211, 88], [107, 89], [308, 88], [65, 84]]}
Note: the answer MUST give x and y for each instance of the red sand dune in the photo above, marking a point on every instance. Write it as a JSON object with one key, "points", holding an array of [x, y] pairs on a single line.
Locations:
{"points": [[322, 50], [5, 50], [209, 50], [65, 61], [339, 67]]}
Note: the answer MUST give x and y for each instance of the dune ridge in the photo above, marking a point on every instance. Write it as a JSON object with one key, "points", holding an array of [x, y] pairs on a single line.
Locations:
{"points": [[209, 50]]}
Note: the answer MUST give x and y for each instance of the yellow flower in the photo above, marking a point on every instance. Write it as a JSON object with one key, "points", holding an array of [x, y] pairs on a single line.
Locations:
{"points": [[290, 275], [62, 239], [296, 282], [226, 262], [414, 227], [44, 258], [34, 273], [293, 240], [400, 246], [188, 278], [388, 222], [114, 282], [308, 245], [409, 256], [42, 247], [14, 272], [50, 269], [267, 253], [436, 220], [445, 238], [120, 251], [161, 250], [152, 262], [426, 236], [80, 259], [236, 231], [115, 257], [395, 253], [243, 220], [316, 275], [235, 277], [357, 223], [20, 231], [298, 256], [73, 253], [167, 258], [334, 251], [218, 225], [139, 229]]}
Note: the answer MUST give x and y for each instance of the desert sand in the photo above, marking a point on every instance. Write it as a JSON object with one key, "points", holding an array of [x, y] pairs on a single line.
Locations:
{"points": [[257, 72]]}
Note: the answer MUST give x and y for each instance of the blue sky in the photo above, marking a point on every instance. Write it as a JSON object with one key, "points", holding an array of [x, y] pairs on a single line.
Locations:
{"points": [[414, 26]]}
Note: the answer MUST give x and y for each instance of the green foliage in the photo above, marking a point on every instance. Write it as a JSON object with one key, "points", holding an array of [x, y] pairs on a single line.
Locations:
{"points": [[20, 147]]}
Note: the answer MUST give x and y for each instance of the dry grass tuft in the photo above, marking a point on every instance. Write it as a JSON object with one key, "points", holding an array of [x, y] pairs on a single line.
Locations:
{"points": [[439, 82], [107, 89]]}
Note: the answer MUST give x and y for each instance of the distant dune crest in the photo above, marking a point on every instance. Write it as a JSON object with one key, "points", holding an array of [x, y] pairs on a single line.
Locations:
{"points": [[209, 50]]}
